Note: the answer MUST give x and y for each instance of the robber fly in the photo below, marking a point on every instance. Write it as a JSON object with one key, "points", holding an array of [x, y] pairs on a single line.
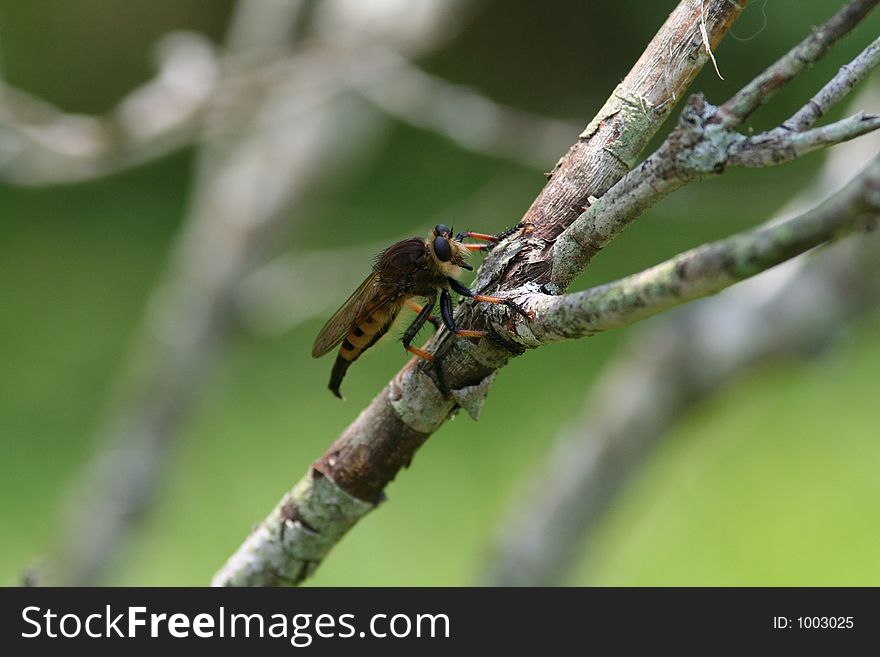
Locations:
{"points": [[413, 267]]}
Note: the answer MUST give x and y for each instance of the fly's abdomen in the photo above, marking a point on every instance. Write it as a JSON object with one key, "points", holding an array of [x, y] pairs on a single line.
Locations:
{"points": [[361, 337]]}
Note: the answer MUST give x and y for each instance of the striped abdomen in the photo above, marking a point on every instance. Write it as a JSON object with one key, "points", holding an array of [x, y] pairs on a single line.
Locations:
{"points": [[362, 336]]}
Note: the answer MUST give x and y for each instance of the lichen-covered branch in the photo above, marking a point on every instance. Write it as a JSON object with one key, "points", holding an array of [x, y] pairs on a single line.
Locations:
{"points": [[704, 144], [386, 435], [755, 94], [706, 269], [670, 366]]}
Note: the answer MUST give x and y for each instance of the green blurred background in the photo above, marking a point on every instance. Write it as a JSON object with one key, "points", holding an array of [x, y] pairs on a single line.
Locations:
{"points": [[773, 482]]}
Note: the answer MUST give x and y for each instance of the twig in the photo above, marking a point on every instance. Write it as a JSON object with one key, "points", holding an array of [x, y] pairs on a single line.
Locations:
{"points": [[669, 367], [233, 212], [836, 88], [470, 119], [707, 269], [702, 145], [741, 106]]}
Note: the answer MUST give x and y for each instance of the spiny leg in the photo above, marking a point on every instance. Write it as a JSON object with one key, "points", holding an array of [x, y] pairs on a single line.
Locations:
{"points": [[417, 324], [493, 239], [510, 231], [465, 291], [449, 320], [410, 334], [412, 305], [477, 236]]}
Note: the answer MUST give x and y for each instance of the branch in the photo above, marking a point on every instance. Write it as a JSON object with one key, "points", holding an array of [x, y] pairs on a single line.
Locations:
{"points": [[253, 171], [707, 269], [470, 119], [836, 88], [665, 370], [661, 374], [42, 144], [292, 541], [704, 144], [755, 94], [386, 435]]}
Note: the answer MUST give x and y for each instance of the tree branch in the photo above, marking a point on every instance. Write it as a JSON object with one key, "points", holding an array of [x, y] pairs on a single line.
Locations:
{"points": [[755, 94], [384, 438], [836, 88], [706, 269], [704, 144], [672, 365], [43, 145], [293, 540]]}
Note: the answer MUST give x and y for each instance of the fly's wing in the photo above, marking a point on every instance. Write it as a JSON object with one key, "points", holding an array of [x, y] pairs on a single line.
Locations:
{"points": [[368, 299], [338, 326], [399, 261]]}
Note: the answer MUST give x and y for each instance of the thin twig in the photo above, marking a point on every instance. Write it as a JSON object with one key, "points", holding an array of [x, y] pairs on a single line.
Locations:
{"points": [[706, 269], [835, 89], [757, 92], [470, 119], [701, 146]]}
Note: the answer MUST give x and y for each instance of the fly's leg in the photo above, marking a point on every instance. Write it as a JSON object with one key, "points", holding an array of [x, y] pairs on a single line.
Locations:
{"points": [[412, 305], [510, 231], [449, 320], [465, 291], [492, 239], [410, 333]]}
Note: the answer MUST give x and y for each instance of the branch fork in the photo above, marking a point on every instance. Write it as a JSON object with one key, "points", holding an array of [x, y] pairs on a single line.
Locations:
{"points": [[557, 243]]}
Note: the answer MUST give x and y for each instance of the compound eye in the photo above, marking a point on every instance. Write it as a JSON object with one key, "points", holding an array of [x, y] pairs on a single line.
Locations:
{"points": [[442, 229], [442, 249]]}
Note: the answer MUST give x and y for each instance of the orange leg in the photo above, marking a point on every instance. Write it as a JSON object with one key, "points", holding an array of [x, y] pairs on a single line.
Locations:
{"points": [[416, 308], [470, 333], [528, 314], [477, 236], [492, 239], [421, 353]]}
